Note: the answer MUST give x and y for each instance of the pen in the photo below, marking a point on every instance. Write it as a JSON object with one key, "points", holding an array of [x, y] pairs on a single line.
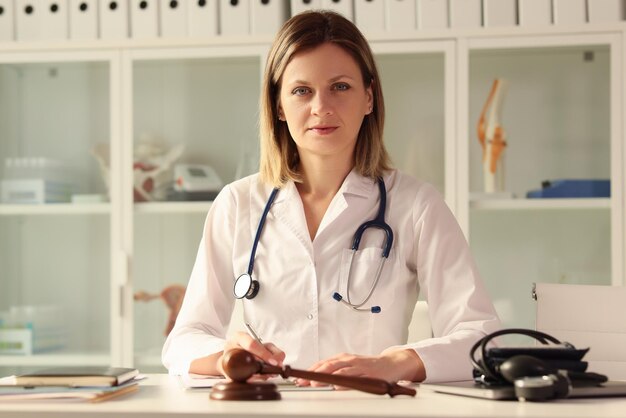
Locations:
{"points": [[254, 334]]}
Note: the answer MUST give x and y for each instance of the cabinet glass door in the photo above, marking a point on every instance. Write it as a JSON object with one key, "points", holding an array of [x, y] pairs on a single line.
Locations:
{"points": [[199, 118], [548, 222], [54, 211]]}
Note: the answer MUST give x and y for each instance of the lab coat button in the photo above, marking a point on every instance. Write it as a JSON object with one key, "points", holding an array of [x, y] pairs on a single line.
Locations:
{"points": [[310, 316]]}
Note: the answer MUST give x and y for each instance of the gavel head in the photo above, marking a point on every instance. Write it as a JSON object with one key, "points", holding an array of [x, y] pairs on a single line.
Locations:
{"points": [[239, 365]]}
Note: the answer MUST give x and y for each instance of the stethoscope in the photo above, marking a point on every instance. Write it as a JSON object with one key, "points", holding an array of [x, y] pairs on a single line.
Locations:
{"points": [[246, 287]]}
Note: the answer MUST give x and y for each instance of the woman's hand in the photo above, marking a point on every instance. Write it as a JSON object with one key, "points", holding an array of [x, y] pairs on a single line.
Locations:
{"points": [[212, 364], [390, 366]]}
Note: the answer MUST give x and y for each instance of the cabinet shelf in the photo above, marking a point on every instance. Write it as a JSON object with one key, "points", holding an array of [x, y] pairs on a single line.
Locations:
{"points": [[56, 209], [64, 359], [172, 207], [540, 204]]}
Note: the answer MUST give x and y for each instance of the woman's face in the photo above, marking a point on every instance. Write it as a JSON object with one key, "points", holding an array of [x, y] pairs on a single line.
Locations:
{"points": [[323, 100]]}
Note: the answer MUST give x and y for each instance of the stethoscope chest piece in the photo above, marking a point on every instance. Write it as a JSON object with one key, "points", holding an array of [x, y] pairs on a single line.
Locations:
{"points": [[246, 287]]}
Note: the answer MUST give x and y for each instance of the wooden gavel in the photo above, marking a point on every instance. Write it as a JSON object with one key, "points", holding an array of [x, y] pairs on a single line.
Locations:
{"points": [[239, 365]]}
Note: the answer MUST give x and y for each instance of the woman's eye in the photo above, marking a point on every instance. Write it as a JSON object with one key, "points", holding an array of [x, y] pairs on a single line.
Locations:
{"points": [[300, 91], [341, 86]]}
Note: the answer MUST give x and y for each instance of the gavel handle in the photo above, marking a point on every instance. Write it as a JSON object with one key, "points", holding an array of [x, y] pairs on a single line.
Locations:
{"points": [[364, 384]]}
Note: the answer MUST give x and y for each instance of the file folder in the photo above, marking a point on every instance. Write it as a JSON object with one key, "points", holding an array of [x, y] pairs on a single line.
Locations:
{"points": [[432, 14], [7, 26], [202, 18], [234, 17], [466, 13], [173, 18], [400, 15], [54, 19], [83, 19], [535, 12], [299, 6], [606, 10], [114, 21], [27, 20], [144, 21], [343, 7], [267, 16], [499, 13], [369, 15], [569, 12]]}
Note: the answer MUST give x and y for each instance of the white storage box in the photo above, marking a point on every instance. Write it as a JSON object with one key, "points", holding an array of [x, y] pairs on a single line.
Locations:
{"points": [[27, 20], [601, 11], [400, 15], [465, 13], [54, 20], [36, 191], [83, 19], [499, 13], [535, 12], [569, 12], [343, 7], [7, 25], [369, 15], [267, 16], [114, 21], [299, 6], [432, 14], [173, 18], [28, 330], [202, 18], [144, 18], [234, 17]]}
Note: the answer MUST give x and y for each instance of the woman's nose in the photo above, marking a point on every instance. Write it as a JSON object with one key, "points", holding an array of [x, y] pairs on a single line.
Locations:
{"points": [[322, 104]]}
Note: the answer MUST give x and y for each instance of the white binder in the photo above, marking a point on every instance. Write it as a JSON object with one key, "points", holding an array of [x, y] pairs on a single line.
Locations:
{"points": [[173, 18], [369, 15], [535, 12], [343, 7], [54, 19], [83, 19], [202, 18], [267, 16], [28, 15], [299, 6], [499, 13], [465, 13], [7, 25], [606, 10], [432, 14], [114, 21], [569, 12], [587, 316], [400, 15], [234, 17], [144, 18]]}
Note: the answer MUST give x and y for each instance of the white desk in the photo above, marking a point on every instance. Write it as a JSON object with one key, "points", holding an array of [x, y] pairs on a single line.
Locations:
{"points": [[160, 396]]}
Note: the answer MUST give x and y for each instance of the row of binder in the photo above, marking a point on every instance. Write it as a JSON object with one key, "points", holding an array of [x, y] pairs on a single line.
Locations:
{"points": [[120, 19]]}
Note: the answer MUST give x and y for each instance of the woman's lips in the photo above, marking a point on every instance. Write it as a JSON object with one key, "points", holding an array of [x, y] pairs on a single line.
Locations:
{"points": [[323, 130]]}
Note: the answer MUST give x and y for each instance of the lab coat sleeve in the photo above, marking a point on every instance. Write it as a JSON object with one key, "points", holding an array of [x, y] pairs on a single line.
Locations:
{"points": [[458, 304], [204, 317]]}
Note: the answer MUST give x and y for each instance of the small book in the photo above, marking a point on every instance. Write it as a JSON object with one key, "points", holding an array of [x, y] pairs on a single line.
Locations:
{"points": [[77, 376], [90, 394]]}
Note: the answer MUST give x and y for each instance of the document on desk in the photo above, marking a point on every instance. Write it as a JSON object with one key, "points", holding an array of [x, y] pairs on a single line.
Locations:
{"points": [[200, 381]]}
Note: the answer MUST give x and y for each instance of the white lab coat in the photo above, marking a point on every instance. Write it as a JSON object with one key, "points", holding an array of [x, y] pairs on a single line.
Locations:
{"points": [[294, 308]]}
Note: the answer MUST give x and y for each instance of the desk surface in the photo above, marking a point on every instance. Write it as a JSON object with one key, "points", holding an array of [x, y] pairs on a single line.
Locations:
{"points": [[161, 396]]}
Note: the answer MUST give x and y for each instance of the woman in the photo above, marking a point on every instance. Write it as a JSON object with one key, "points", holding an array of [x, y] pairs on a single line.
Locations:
{"points": [[318, 303]]}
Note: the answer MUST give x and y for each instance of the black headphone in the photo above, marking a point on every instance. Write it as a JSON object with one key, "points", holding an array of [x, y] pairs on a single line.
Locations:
{"points": [[533, 378]]}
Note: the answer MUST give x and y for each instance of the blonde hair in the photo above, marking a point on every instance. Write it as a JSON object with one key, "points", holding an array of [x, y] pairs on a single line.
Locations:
{"points": [[305, 31]]}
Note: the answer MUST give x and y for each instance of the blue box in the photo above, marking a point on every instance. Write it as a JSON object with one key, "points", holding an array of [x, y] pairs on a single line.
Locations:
{"points": [[572, 188]]}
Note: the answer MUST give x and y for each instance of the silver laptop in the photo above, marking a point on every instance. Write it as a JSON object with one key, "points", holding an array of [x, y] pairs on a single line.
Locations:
{"points": [[476, 390]]}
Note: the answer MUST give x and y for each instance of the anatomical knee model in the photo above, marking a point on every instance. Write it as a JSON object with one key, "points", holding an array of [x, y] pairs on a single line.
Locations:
{"points": [[493, 138]]}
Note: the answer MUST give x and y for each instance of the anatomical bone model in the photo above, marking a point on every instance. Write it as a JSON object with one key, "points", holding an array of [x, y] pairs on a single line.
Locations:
{"points": [[493, 138]]}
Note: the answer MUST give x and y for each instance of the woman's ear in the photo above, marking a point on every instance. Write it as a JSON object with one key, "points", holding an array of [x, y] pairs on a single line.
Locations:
{"points": [[281, 114], [369, 91]]}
